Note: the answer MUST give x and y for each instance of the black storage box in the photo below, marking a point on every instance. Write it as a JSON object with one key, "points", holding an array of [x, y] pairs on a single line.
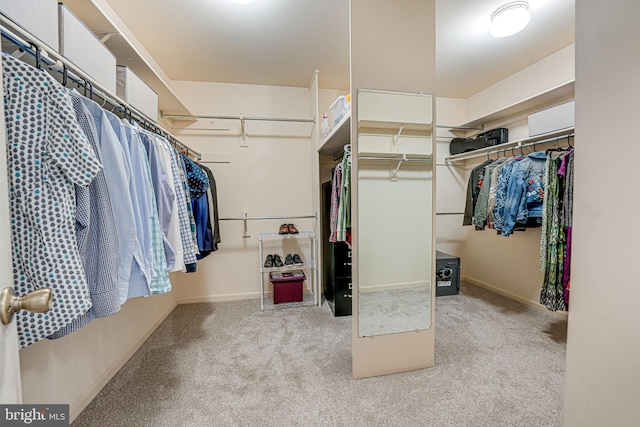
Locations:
{"points": [[447, 274]]}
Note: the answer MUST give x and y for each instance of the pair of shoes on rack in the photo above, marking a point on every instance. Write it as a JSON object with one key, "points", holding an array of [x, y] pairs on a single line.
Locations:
{"points": [[293, 259], [273, 261], [288, 229]]}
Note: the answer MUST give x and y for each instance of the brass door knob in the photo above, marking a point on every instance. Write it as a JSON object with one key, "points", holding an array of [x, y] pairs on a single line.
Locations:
{"points": [[39, 301]]}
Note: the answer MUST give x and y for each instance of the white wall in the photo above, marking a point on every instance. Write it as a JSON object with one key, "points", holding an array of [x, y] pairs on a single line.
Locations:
{"points": [[554, 71], [603, 351], [270, 176], [451, 181], [72, 370]]}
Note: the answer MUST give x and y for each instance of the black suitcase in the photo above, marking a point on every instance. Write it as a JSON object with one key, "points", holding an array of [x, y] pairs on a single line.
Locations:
{"points": [[495, 136], [462, 145], [484, 139]]}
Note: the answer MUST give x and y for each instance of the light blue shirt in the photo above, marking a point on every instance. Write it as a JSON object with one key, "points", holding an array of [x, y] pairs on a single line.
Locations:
{"points": [[141, 273], [117, 171], [164, 194], [159, 283]]}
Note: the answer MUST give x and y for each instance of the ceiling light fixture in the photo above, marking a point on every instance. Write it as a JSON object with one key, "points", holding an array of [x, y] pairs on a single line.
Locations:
{"points": [[243, 1], [510, 19]]}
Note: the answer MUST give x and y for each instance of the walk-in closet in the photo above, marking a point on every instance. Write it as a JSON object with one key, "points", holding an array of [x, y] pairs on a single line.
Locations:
{"points": [[347, 212]]}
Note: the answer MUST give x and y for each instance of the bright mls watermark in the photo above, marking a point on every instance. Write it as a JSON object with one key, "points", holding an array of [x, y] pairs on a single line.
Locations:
{"points": [[34, 415]]}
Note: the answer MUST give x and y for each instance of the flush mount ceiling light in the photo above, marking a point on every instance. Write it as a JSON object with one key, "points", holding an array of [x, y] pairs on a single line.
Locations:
{"points": [[510, 19], [243, 1]]}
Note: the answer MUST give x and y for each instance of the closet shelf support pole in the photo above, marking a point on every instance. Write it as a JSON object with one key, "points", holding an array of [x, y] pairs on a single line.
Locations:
{"points": [[245, 226], [394, 176], [397, 138]]}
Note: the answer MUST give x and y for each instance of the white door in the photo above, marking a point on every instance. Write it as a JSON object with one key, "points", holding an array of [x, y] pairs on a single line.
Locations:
{"points": [[10, 386]]}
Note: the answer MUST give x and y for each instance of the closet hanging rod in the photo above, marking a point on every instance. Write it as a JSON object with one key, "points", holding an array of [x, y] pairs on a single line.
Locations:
{"points": [[254, 218], [264, 119], [397, 159], [449, 213], [52, 59], [529, 142]]}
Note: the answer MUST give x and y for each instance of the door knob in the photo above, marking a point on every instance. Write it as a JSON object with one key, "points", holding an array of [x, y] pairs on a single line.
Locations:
{"points": [[39, 301]]}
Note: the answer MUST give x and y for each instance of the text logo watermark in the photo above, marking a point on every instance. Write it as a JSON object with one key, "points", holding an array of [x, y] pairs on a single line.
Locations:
{"points": [[34, 415]]}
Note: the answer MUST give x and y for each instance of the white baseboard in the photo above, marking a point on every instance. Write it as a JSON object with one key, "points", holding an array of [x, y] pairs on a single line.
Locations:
{"points": [[393, 286], [535, 304], [75, 408], [219, 298]]}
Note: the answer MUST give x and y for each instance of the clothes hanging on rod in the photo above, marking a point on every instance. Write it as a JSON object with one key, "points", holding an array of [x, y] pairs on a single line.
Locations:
{"points": [[525, 193], [340, 209], [481, 212], [209, 228], [535, 190], [555, 239], [86, 204], [474, 185], [47, 154], [95, 228]]}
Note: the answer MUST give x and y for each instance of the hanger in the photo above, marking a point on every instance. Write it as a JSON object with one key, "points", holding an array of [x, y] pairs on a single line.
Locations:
{"points": [[88, 86], [38, 55], [65, 75]]}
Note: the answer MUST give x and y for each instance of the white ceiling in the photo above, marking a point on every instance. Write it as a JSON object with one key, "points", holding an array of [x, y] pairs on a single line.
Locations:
{"points": [[281, 42]]}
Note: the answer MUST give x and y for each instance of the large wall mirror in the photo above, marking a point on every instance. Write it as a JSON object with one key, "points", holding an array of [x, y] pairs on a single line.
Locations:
{"points": [[395, 211]]}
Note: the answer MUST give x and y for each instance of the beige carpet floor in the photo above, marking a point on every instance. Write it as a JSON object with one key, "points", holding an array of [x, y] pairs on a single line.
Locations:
{"points": [[498, 363]]}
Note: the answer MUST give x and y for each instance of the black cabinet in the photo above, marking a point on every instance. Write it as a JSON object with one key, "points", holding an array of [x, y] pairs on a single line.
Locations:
{"points": [[343, 297], [336, 278], [336, 262]]}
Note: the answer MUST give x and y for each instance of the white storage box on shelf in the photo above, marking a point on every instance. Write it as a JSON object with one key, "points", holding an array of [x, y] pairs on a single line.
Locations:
{"points": [[136, 92], [552, 119], [338, 109], [84, 49], [39, 17]]}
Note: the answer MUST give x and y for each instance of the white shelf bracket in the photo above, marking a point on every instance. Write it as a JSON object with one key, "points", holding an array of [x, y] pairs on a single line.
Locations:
{"points": [[243, 130], [397, 137], [394, 175], [107, 36], [245, 226]]}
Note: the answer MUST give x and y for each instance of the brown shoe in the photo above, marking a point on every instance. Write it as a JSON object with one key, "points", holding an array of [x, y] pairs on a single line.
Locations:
{"points": [[284, 229], [292, 229]]}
